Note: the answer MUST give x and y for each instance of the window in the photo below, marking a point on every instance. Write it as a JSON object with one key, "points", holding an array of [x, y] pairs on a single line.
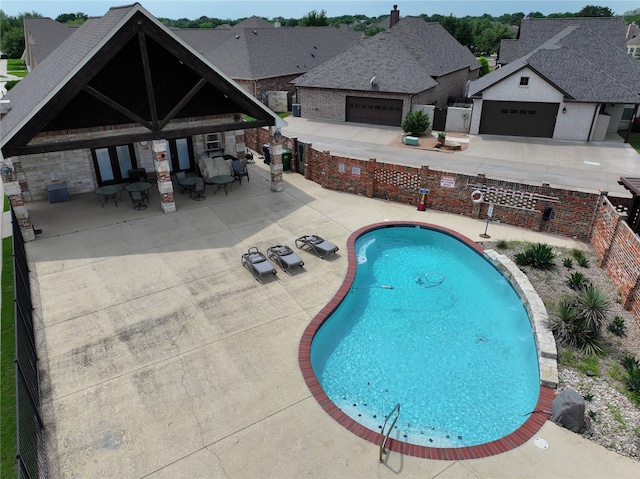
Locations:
{"points": [[112, 164], [524, 81]]}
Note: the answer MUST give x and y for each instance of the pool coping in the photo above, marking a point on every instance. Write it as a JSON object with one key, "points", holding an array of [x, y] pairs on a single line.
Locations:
{"points": [[547, 355]]}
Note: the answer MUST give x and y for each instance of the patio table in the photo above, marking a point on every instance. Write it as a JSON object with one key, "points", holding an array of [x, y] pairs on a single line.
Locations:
{"points": [[221, 181], [190, 183], [108, 192]]}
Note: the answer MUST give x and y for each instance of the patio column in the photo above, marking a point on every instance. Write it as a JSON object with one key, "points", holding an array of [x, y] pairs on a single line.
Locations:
{"points": [[275, 150], [163, 173], [13, 191]]}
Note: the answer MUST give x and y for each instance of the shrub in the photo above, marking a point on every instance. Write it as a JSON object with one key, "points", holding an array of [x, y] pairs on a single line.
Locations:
{"points": [[502, 244], [580, 258], [577, 281], [570, 327], [617, 327], [568, 263], [633, 379], [415, 122], [629, 362], [593, 305], [539, 255]]}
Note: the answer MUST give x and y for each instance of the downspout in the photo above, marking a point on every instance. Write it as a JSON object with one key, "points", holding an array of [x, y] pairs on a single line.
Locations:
{"points": [[593, 121]]}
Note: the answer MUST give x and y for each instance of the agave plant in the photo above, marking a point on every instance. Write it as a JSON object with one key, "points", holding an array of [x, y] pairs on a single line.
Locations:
{"points": [[633, 379], [629, 362], [577, 281], [617, 327], [593, 306], [539, 255], [568, 263]]}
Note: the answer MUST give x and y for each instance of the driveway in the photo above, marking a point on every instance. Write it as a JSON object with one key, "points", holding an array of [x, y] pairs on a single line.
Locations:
{"points": [[585, 166], [162, 357]]}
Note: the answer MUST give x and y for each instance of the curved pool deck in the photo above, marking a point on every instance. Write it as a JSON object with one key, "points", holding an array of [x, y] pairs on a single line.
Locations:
{"points": [[547, 356]]}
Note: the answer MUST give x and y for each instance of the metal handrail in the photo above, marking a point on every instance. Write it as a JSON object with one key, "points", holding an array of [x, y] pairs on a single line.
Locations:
{"points": [[383, 436]]}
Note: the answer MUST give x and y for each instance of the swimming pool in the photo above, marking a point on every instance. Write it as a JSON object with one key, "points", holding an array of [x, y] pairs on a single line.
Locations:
{"points": [[429, 323]]}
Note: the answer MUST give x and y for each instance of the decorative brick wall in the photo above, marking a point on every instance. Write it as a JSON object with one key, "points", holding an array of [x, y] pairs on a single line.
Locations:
{"points": [[618, 249]]}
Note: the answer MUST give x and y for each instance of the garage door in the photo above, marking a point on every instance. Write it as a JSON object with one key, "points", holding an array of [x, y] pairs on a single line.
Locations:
{"points": [[378, 111], [518, 118]]}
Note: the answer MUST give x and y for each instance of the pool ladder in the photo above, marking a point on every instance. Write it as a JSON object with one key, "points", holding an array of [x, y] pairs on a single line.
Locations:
{"points": [[383, 436]]}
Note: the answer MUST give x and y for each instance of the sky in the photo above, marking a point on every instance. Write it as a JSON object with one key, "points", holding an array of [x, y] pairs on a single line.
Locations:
{"points": [[234, 9]]}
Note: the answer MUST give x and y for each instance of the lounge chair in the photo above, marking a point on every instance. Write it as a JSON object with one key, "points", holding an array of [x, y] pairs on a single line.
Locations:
{"points": [[284, 257], [257, 263], [318, 245]]}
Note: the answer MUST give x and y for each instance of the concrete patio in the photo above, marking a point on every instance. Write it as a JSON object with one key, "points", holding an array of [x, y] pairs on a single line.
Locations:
{"points": [[163, 358]]}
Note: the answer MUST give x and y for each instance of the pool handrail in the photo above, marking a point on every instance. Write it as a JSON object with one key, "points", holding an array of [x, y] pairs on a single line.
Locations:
{"points": [[383, 436]]}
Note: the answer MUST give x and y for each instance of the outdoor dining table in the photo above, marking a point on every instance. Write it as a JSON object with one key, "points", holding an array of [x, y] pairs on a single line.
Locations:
{"points": [[108, 192], [221, 181], [190, 183], [138, 186]]}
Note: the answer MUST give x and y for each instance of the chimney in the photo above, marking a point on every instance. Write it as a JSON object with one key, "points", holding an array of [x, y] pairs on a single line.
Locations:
{"points": [[395, 16]]}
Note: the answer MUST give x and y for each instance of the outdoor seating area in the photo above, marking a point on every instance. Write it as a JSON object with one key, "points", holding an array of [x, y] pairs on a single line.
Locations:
{"points": [[284, 257], [257, 263], [317, 244]]}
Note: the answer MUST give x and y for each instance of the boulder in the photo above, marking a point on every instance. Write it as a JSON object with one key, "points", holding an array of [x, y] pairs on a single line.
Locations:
{"points": [[568, 410]]}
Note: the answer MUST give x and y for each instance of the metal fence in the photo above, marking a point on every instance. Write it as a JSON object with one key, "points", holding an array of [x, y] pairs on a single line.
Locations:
{"points": [[31, 453]]}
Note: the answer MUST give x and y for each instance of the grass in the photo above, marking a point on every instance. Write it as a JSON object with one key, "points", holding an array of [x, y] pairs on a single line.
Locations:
{"points": [[17, 68], [7, 367], [634, 140]]}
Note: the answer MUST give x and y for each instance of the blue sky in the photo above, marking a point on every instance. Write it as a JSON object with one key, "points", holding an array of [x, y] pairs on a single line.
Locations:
{"points": [[233, 9]]}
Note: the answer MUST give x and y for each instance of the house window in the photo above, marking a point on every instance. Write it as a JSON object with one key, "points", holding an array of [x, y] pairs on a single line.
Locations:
{"points": [[112, 164], [524, 81]]}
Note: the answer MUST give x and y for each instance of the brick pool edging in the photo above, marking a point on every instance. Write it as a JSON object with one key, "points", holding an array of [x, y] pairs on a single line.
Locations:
{"points": [[518, 437]]}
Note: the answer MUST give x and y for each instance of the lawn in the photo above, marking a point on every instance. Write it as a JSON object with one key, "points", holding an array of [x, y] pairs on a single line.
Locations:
{"points": [[17, 68], [634, 140]]}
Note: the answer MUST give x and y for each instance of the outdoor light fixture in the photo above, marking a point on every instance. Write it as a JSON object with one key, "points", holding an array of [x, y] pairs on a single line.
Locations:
{"points": [[277, 134], [564, 109]]}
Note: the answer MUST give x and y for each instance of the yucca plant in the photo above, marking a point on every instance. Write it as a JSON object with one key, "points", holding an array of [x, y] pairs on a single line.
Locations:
{"points": [[629, 362], [593, 305], [617, 327], [568, 263], [577, 281], [633, 379]]}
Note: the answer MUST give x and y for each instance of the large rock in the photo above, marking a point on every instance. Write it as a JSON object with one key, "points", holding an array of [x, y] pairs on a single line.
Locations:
{"points": [[567, 409]]}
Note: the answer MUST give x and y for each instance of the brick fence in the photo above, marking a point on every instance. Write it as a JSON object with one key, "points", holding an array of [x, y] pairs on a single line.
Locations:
{"points": [[587, 217]]}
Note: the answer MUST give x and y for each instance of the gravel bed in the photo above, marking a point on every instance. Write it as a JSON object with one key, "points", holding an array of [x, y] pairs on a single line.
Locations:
{"points": [[612, 419]]}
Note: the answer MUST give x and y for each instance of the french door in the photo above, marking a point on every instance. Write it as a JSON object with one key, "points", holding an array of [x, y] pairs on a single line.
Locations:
{"points": [[112, 164], [180, 155]]}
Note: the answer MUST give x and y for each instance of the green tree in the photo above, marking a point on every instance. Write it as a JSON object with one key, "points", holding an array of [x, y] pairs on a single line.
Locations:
{"points": [[595, 11], [12, 33], [415, 122], [484, 66], [373, 30], [315, 19], [72, 18], [632, 16]]}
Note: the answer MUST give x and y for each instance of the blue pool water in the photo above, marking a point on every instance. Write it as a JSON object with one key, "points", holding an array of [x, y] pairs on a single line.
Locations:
{"points": [[430, 324]]}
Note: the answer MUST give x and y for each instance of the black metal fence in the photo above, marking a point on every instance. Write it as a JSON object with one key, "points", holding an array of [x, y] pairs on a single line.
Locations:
{"points": [[31, 453]]}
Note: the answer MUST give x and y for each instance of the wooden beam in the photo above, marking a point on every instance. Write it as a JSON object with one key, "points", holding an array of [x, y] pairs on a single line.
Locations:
{"points": [[146, 67], [181, 104], [117, 106]]}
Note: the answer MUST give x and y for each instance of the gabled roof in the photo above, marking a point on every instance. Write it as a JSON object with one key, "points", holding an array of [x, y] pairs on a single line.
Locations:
{"points": [[408, 58], [536, 31], [43, 36], [255, 53], [584, 67], [121, 69]]}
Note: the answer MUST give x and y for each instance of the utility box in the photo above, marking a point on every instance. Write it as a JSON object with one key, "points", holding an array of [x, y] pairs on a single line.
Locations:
{"points": [[58, 192], [411, 140], [296, 110]]}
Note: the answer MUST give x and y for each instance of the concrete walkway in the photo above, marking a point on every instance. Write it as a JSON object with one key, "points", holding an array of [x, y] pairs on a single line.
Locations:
{"points": [[163, 358]]}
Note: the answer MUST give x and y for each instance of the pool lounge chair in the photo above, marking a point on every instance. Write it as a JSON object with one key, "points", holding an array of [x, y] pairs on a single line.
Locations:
{"points": [[284, 257], [318, 245], [257, 263]]}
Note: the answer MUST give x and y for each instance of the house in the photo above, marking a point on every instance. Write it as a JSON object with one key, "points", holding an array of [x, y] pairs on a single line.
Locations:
{"points": [[379, 79], [567, 79], [122, 92], [633, 40], [41, 37]]}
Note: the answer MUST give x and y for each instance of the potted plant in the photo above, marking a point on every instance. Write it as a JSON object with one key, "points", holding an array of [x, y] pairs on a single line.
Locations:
{"points": [[442, 136]]}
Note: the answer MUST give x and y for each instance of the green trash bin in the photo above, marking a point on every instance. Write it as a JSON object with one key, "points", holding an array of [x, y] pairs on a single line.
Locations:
{"points": [[286, 159]]}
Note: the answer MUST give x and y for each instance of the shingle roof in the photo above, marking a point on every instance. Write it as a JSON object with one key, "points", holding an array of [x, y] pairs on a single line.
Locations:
{"points": [[405, 59], [582, 65], [44, 36], [536, 31]]}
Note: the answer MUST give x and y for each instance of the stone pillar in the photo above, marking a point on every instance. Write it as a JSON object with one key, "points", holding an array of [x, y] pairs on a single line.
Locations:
{"points": [[13, 191], [370, 178], [163, 173], [275, 150]]}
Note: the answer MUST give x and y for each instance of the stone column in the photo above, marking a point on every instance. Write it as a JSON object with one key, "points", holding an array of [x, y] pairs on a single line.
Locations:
{"points": [[13, 191], [163, 173], [275, 150]]}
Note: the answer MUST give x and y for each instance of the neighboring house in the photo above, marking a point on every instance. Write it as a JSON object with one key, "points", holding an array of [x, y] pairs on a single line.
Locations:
{"points": [[633, 42], [379, 79], [258, 56], [120, 93], [567, 79]]}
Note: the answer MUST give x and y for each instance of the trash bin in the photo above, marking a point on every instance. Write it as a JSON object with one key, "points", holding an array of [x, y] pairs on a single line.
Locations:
{"points": [[267, 154], [295, 109], [286, 159]]}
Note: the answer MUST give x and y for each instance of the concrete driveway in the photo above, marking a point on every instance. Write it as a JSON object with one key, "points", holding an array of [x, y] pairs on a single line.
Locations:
{"points": [[163, 358], [585, 166]]}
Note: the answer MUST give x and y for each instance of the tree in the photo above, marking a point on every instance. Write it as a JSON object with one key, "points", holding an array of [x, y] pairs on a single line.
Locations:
{"points": [[415, 122], [72, 18], [315, 19], [12, 33], [595, 11], [484, 66], [632, 16]]}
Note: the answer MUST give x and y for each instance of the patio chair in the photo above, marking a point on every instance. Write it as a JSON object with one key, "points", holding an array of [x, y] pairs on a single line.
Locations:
{"points": [[318, 245], [238, 171], [138, 200], [197, 191], [137, 174], [284, 257], [257, 263]]}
